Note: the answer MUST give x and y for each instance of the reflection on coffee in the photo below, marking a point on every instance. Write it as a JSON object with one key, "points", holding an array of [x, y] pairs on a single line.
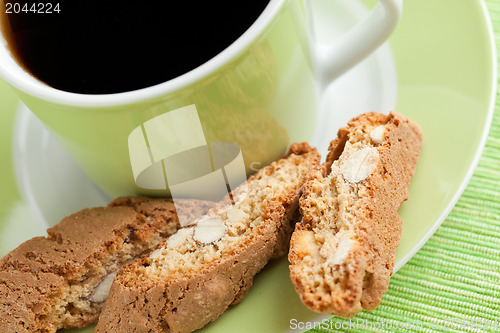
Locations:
{"points": [[100, 47]]}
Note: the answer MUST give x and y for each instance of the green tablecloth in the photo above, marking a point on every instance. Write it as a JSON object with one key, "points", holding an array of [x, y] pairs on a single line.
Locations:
{"points": [[453, 283]]}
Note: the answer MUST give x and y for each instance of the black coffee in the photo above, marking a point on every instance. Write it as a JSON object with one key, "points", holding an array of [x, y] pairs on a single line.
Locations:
{"points": [[100, 47]]}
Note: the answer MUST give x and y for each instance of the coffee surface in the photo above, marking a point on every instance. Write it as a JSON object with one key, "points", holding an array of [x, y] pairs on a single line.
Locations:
{"points": [[101, 47]]}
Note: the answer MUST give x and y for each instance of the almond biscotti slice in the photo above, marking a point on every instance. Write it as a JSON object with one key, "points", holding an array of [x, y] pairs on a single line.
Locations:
{"points": [[342, 254], [62, 280], [193, 277]]}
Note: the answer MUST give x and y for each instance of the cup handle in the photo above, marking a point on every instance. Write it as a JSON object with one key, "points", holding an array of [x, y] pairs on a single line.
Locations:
{"points": [[358, 42]]}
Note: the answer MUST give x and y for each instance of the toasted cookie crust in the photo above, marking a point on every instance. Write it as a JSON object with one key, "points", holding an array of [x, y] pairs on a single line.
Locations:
{"points": [[53, 282], [190, 279], [342, 254]]}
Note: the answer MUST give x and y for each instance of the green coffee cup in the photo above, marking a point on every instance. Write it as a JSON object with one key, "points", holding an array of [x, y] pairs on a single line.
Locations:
{"points": [[260, 94]]}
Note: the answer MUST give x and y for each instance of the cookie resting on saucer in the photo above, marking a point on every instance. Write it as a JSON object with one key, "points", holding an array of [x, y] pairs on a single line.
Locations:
{"points": [[193, 277], [342, 254], [62, 280]]}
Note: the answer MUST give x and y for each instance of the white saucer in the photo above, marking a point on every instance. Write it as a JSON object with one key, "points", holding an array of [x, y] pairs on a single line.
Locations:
{"points": [[49, 180]]}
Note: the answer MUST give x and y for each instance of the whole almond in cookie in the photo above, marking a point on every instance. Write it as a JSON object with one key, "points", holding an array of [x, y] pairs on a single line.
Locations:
{"points": [[209, 230]]}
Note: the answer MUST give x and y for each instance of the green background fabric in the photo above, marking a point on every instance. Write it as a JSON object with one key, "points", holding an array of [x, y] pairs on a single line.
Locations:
{"points": [[453, 283]]}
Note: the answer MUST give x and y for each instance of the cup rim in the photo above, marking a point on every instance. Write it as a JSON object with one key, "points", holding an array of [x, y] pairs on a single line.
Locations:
{"points": [[38, 89]]}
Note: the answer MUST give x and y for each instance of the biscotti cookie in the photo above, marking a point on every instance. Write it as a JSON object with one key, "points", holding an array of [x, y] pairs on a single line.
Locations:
{"points": [[193, 277], [62, 280], [342, 254]]}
